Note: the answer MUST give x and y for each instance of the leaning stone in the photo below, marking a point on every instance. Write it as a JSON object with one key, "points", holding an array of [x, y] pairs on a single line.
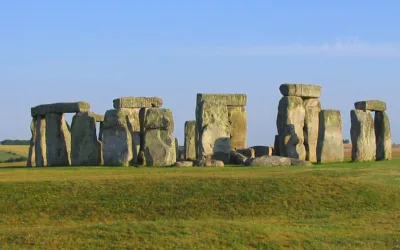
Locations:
{"points": [[58, 140], [372, 105], [330, 137], [290, 124], [311, 126], [137, 102], [262, 151], [121, 137], [300, 90], [268, 161], [248, 152], [156, 118], [31, 155], [183, 164], [86, 150], [237, 158], [159, 148], [238, 126], [213, 128], [229, 99], [362, 133], [190, 140], [383, 136], [40, 150], [60, 108]]}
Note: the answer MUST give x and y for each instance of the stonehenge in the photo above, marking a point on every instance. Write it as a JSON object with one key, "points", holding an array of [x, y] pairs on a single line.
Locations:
{"points": [[371, 137], [138, 131]]}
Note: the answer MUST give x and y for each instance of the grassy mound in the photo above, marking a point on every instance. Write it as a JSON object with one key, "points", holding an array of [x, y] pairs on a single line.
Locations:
{"points": [[336, 206]]}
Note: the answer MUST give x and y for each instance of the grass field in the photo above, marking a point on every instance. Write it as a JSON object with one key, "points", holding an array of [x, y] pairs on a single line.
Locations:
{"points": [[332, 206]]}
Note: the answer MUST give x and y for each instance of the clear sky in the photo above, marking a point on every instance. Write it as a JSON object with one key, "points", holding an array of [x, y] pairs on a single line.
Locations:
{"points": [[54, 51]]}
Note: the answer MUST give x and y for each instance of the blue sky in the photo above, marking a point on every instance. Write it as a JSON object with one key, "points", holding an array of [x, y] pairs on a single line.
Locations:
{"points": [[53, 51]]}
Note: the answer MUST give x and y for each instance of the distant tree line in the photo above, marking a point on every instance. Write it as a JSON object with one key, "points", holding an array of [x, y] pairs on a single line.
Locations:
{"points": [[15, 142]]}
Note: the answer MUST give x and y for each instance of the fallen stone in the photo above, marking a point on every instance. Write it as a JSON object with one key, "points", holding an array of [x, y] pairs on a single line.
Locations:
{"points": [[372, 105], [60, 108], [159, 148], [58, 140], [183, 164], [237, 119], [268, 161], [86, 150], [330, 138], [248, 152], [211, 163], [121, 137], [297, 162], [190, 140], [290, 124], [137, 102], [383, 136], [229, 99], [237, 158], [156, 118], [300, 90], [213, 129]]}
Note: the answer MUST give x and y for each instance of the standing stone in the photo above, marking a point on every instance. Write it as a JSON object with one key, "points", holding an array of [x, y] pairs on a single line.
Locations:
{"points": [[290, 123], [330, 137], [362, 133], [190, 140], [86, 150], [40, 142], [277, 150], [58, 140], [238, 130], [262, 151], [31, 155], [383, 136], [178, 155], [121, 137], [213, 128], [158, 144], [311, 126]]}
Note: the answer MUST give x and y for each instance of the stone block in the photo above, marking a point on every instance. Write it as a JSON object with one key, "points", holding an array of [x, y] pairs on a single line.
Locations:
{"points": [[137, 102]]}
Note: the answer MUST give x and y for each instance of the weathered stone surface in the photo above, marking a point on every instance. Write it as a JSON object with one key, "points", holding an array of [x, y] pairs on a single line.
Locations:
{"points": [[277, 150], [101, 125], [121, 137], [137, 102], [362, 133], [31, 155], [178, 155], [290, 123], [213, 128], [237, 158], [383, 136], [210, 163], [97, 117], [372, 105], [159, 148], [229, 99], [183, 164], [60, 108], [262, 151], [237, 118], [268, 161], [312, 102], [330, 138], [311, 127], [190, 140], [40, 142], [156, 118], [58, 140], [248, 152], [86, 150], [300, 90]]}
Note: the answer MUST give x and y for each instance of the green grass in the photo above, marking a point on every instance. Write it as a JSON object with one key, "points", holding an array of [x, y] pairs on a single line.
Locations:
{"points": [[6, 155], [332, 206]]}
